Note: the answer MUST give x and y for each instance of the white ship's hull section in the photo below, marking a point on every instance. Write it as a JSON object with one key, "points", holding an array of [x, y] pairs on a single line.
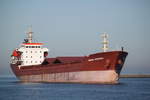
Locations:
{"points": [[109, 76]]}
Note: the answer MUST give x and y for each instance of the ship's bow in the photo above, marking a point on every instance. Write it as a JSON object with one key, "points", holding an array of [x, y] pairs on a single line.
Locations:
{"points": [[120, 61]]}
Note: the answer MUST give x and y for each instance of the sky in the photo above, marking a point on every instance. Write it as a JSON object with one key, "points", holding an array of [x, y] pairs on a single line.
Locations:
{"points": [[73, 28]]}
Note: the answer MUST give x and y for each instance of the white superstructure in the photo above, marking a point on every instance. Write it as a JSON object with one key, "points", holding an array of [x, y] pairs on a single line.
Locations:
{"points": [[29, 53]]}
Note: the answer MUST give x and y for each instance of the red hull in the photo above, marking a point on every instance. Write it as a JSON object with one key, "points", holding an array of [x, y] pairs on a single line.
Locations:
{"points": [[113, 60]]}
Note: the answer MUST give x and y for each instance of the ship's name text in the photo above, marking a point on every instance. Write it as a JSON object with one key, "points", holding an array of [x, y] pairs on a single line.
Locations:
{"points": [[95, 59]]}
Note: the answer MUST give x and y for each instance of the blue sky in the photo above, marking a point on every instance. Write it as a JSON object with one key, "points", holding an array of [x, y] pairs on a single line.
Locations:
{"points": [[73, 27]]}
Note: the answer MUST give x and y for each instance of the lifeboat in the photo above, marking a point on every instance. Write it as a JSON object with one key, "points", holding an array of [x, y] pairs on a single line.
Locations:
{"points": [[16, 53], [45, 54]]}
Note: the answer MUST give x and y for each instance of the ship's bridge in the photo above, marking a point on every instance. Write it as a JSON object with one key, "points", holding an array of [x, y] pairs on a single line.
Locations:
{"points": [[29, 53], [32, 53]]}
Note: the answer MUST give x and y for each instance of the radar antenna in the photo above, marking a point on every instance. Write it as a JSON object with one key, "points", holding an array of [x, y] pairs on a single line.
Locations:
{"points": [[105, 42], [29, 34]]}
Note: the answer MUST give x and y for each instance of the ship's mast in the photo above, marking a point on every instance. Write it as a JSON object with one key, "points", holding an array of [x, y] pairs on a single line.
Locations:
{"points": [[29, 34], [105, 42]]}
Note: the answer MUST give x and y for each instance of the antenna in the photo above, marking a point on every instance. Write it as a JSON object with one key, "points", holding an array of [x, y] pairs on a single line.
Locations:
{"points": [[105, 41], [29, 34]]}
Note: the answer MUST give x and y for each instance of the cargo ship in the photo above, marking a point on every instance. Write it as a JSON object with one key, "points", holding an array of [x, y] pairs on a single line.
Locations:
{"points": [[30, 63]]}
